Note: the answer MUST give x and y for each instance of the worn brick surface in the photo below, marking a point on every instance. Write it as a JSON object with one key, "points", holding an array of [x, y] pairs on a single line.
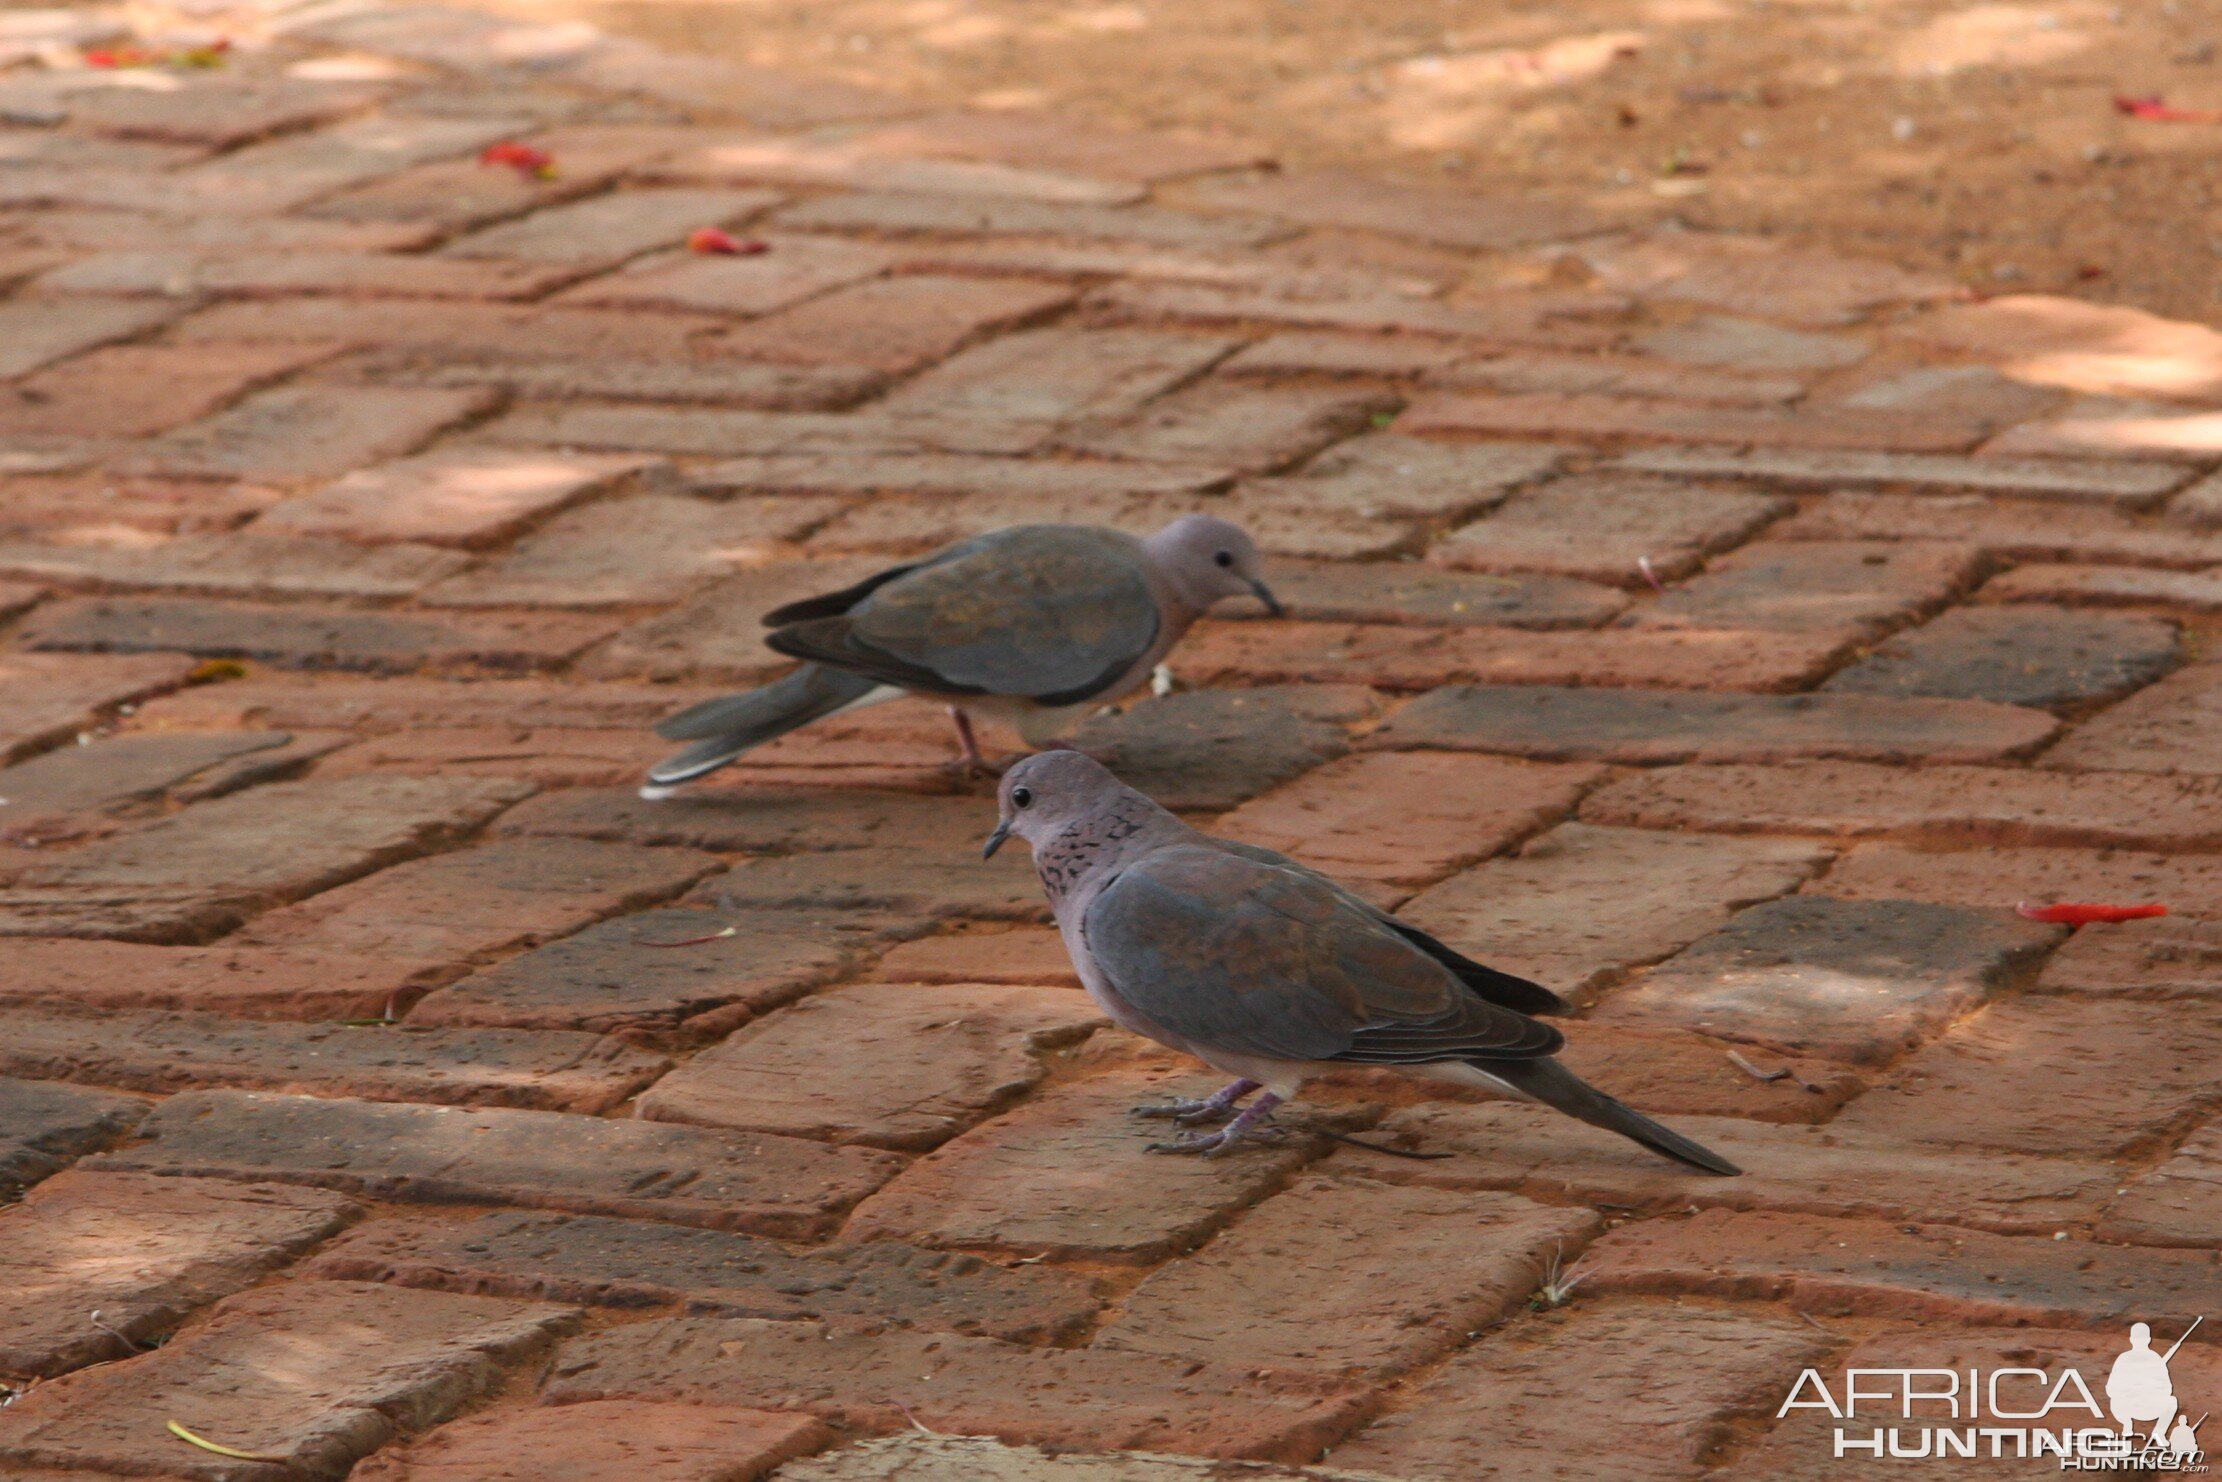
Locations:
{"points": [[578, 1443], [1408, 817], [2177, 1203], [1627, 1390], [1408, 592], [894, 325], [1858, 588], [1580, 906], [749, 820], [1600, 526], [308, 432], [470, 497], [2054, 1075], [2189, 885], [1024, 954], [1923, 1271], [48, 1125], [39, 332], [2165, 958], [960, 1384], [719, 635], [2168, 727], [636, 1263], [894, 1067], [1851, 980], [922, 1458], [1255, 430], [1652, 726], [248, 982], [609, 229], [2040, 656], [1069, 1175], [1384, 475], [1216, 748], [143, 1253], [1675, 1071], [1415, 1270], [2107, 586], [203, 871], [139, 390], [52, 696], [2132, 485], [542, 1160], [475, 1067], [1984, 805], [1616, 419], [308, 637], [251, 565], [2018, 528], [117, 771], [319, 1373]]}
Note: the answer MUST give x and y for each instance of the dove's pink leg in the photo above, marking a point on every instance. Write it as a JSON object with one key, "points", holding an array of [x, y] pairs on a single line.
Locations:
{"points": [[1243, 1128], [967, 740], [1216, 1108]]}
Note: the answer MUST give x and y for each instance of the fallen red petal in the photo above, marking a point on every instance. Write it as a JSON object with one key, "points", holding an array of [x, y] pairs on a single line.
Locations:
{"points": [[2071, 914], [710, 239], [522, 158], [2156, 109]]}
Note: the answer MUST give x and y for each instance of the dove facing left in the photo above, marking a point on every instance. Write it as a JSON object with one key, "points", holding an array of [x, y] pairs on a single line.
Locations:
{"points": [[1034, 625]]}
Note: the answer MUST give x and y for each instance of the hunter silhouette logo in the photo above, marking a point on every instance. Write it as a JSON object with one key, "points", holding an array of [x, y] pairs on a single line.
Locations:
{"points": [[2022, 1413]]}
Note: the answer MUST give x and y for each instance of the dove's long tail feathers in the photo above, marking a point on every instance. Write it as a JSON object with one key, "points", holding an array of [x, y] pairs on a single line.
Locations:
{"points": [[724, 728], [1555, 1086]]}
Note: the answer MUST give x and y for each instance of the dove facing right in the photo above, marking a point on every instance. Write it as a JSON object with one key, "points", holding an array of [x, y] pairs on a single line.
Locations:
{"points": [[1273, 973]]}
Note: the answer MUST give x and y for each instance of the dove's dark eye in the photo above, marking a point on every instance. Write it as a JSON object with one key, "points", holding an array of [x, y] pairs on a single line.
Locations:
{"points": [[1224, 558], [1022, 797]]}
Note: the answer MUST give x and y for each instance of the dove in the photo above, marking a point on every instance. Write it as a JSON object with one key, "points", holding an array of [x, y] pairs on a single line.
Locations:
{"points": [[1034, 625], [1271, 972]]}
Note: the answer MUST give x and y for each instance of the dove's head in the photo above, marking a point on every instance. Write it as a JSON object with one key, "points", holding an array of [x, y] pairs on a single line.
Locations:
{"points": [[1204, 559], [1051, 792]]}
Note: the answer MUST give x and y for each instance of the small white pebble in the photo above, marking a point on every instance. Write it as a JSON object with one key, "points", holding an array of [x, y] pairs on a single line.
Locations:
{"points": [[653, 794], [1901, 129]]}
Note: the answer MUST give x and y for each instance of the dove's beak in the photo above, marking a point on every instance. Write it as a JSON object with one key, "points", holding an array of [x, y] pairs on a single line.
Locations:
{"points": [[1265, 595], [995, 840]]}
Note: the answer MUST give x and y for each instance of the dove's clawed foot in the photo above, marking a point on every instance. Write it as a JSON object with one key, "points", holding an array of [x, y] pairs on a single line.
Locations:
{"points": [[1208, 1109], [1250, 1126]]}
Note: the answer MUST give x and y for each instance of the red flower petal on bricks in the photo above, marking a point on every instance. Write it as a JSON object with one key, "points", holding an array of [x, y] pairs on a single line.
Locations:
{"points": [[2070, 914], [2157, 110], [523, 158], [123, 56], [710, 240]]}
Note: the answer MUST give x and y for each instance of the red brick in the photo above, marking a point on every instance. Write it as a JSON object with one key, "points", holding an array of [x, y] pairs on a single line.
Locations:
{"points": [[867, 1380], [2017, 529], [1537, 1152], [1552, 321], [272, 177], [2129, 485], [540, 1160], [2168, 727], [2111, 427], [700, 431], [338, 1370], [2177, 1203], [1580, 906], [48, 1125], [1453, 218], [199, 873], [1939, 805], [277, 274], [549, 758], [1656, 726], [56, 506], [1676, 1073], [2055, 1075], [1416, 1271], [636, 1263], [1757, 275], [464, 193], [1542, 374], [795, 269], [355, 703], [1023, 955], [1613, 417], [905, 746], [2200, 505], [312, 637], [2105, 349], [1068, 1175], [1599, 527], [471, 1067], [1639, 1391], [117, 771], [1406, 658], [2189, 885], [1408, 817], [734, 383], [751, 820], [2107, 586], [900, 214], [1211, 749], [472, 902], [1857, 588], [240, 982], [139, 390], [1411, 592], [606, 230], [901, 883], [222, 113], [653, 548], [52, 696], [1324, 353], [238, 564], [1861, 981], [603, 1438], [506, 331], [916, 1457], [82, 229], [944, 477], [1254, 429], [38, 332], [1926, 1272], [895, 325], [2049, 657], [2166, 958], [308, 432], [612, 978], [906, 1068], [470, 497], [142, 1254]]}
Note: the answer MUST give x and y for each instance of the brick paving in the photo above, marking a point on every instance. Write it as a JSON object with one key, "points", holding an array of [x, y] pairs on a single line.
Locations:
{"points": [[1730, 643]]}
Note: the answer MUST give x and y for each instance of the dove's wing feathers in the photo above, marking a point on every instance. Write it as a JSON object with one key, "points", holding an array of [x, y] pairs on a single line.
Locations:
{"points": [[1233, 953], [1054, 613], [833, 604], [1500, 988]]}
